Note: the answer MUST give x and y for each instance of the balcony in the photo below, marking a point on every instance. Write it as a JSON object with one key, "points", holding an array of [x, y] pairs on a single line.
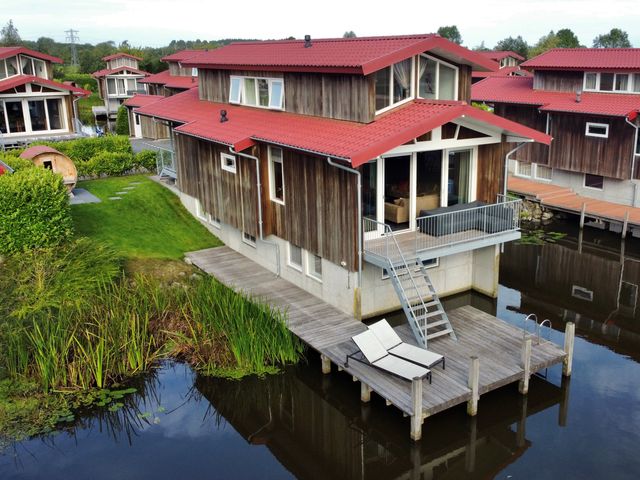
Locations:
{"points": [[443, 231]]}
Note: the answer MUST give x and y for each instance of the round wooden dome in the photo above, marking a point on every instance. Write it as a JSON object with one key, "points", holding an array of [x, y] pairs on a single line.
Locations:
{"points": [[47, 157]]}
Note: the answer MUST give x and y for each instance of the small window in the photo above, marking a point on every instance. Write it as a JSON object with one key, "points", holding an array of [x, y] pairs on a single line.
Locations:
{"points": [[295, 257], [590, 81], [234, 90], [315, 266], [137, 118], [543, 172], [228, 162], [582, 293], [276, 175], [606, 82], [593, 181], [249, 239], [263, 92], [622, 82], [194, 72], [276, 94], [628, 296], [523, 169], [48, 164], [597, 130]]}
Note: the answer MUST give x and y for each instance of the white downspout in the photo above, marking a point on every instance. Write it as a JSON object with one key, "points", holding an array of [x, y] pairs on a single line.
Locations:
{"points": [[259, 187], [506, 165], [633, 160]]}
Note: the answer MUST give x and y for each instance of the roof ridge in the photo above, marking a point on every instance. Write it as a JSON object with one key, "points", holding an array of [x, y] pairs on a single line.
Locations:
{"points": [[338, 39]]}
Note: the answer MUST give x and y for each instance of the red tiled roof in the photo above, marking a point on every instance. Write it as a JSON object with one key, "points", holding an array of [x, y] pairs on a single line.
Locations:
{"points": [[141, 100], [181, 56], [519, 90], [586, 58], [6, 52], [119, 55], [352, 141], [171, 81], [363, 55], [498, 55], [32, 152], [111, 71], [24, 79], [502, 72]]}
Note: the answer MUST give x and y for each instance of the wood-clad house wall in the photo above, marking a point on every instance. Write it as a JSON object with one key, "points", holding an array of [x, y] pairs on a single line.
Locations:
{"points": [[464, 83], [491, 170], [178, 71], [343, 97], [529, 116], [561, 81], [152, 129]]}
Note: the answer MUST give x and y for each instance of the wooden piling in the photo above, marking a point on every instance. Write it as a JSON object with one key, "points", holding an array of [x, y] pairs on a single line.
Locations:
{"points": [[416, 402], [474, 382], [470, 453], [625, 225], [326, 364], [563, 412], [365, 392], [569, 338], [582, 212], [523, 386]]}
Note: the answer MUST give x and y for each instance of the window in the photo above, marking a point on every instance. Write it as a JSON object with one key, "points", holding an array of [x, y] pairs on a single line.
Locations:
{"points": [[276, 175], [43, 115], [48, 164], [523, 169], [12, 66], [590, 81], [54, 111], [3, 122], [543, 172], [249, 239], [622, 83], [38, 115], [257, 92], [582, 293], [194, 72], [394, 84], [606, 82], [597, 130], [228, 162], [437, 79], [15, 117], [314, 266], [612, 82], [636, 83], [593, 181], [136, 118], [295, 257], [131, 85], [111, 86]]}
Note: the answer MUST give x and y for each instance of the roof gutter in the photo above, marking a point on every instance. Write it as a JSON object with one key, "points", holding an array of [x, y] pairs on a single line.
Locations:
{"points": [[259, 189]]}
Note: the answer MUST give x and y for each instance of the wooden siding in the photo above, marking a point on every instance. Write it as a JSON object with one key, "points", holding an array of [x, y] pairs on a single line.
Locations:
{"points": [[491, 171], [561, 81], [152, 129], [176, 70], [464, 83], [529, 116], [131, 115]]}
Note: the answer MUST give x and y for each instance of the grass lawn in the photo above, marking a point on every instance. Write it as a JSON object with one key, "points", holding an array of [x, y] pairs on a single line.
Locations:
{"points": [[84, 108], [149, 222]]}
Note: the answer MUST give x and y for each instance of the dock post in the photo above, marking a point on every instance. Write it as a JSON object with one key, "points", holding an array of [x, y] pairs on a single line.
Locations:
{"points": [[625, 225], [521, 429], [563, 413], [582, 212], [326, 364], [470, 453], [523, 386], [569, 337], [365, 392], [416, 401], [474, 381]]}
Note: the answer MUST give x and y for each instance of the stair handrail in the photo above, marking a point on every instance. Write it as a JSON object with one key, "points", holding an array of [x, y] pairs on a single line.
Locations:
{"points": [[531, 316], [539, 328]]}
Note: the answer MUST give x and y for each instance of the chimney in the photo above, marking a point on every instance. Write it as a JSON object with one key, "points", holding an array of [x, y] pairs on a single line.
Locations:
{"points": [[223, 116], [307, 41], [578, 95]]}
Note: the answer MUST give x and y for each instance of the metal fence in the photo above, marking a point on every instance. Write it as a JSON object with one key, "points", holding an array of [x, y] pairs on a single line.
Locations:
{"points": [[165, 163]]}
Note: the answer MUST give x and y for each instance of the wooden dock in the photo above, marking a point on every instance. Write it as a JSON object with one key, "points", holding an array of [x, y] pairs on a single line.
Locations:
{"points": [[488, 354]]}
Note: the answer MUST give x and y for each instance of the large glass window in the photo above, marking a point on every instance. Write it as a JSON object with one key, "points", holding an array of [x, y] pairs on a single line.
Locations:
{"points": [[606, 82], [15, 116], [428, 180], [437, 79], [54, 109], [40, 68], [397, 181], [257, 92], [591, 81], [27, 65], [263, 92], [394, 84], [447, 83], [131, 85], [402, 80], [111, 86], [250, 97], [38, 115], [3, 69], [12, 66], [234, 90], [459, 177], [369, 176], [612, 82], [276, 175], [383, 91], [622, 82], [3, 122]]}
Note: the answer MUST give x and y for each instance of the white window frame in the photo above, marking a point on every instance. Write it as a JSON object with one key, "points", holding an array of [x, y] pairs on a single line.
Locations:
{"points": [[519, 173], [633, 84], [584, 182], [240, 99], [542, 179], [27, 117], [272, 178], [597, 125], [229, 168], [412, 90], [248, 241], [311, 273], [296, 267], [125, 78], [582, 293], [438, 62]]}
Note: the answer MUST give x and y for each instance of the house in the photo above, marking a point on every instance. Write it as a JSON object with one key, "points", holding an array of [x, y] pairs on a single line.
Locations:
{"points": [[508, 65], [588, 100], [32, 105], [174, 80], [354, 168], [120, 80]]}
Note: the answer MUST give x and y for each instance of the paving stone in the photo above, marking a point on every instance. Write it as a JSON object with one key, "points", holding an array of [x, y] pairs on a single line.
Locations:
{"points": [[115, 198]]}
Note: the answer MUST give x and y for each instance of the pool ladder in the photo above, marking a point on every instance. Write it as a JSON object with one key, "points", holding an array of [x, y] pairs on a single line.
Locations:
{"points": [[546, 322]]}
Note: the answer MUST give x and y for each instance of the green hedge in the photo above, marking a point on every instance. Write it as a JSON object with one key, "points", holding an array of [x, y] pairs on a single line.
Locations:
{"points": [[146, 159], [83, 80], [35, 210], [15, 162]]}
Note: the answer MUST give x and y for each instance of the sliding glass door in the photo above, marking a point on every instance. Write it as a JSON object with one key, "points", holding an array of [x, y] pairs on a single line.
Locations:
{"points": [[459, 173], [397, 191]]}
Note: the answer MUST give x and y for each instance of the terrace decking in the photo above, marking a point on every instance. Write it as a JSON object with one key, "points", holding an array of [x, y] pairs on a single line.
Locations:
{"points": [[497, 345]]}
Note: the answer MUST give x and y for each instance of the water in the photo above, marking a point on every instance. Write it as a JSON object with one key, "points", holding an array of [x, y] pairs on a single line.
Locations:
{"points": [[306, 425]]}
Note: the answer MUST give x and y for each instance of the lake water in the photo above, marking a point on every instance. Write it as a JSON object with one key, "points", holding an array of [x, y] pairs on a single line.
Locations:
{"points": [[302, 424]]}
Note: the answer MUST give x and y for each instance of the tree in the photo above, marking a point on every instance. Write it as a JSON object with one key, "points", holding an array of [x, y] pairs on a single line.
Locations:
{"points": [[546, 42], [616, 38], [349, 34], [567, 39], [9, 35], [451, 32], [122, 121], [518, 45], [481, 48]]}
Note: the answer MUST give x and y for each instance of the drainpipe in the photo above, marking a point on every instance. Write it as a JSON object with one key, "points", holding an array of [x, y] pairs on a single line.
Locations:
{"points": [[633, 159], [259, 187], [359, 202], [76, 116]]}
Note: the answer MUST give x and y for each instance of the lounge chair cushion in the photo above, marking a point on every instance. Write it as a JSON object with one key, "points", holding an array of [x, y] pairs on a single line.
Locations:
{"points": [[416, 355], [370, 346], [401, 368], [385, 334]]}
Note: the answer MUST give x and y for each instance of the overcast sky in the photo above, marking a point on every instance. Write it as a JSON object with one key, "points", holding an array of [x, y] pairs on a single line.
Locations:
{"points": [[157, 22]]}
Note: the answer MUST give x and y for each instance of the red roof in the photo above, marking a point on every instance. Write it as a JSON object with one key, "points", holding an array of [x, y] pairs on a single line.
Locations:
{"points": [[351, 141], [119, 55], [502, 72], [6, 52], [32, 152], [112, 71], [24, 79], [141, 100], [181, 55], [363, 55], [497, 55], [519, 90], [586, 58], [171, 81]]}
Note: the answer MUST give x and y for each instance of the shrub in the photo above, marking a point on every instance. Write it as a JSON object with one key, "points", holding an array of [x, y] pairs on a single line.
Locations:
{"points": [[110, 163], [146, 159], [84, 80], [122, 121], [16, 163], [35, 210]]}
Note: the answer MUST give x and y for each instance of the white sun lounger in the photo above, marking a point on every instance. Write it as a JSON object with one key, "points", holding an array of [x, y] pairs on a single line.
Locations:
{"points": [[393, 344], [376, 356]]}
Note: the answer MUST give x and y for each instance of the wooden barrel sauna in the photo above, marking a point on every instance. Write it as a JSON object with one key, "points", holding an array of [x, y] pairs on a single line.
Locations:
{"points": [[47, 157]]}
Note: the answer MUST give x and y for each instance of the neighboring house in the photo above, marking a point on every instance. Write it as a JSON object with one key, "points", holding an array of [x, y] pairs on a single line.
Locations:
{"points": [[120, 80], [586, 99], [32, 105], [326, 161], [508, 65]]}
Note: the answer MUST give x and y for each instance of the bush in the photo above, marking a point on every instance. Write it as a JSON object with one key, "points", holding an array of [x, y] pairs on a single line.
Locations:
{"points": [[122, 121], [110, 163], [35, 210], [146, 159], [83, 80], [16, 163]]}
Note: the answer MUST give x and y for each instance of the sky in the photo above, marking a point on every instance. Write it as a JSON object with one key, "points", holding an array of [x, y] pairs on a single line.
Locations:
{"points": [[156, 22]]}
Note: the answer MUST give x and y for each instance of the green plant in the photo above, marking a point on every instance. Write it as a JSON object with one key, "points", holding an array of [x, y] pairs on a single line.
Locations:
{"points": [[35, 210], [122, 121], [110, 164], [16, 162], [146, 159]]}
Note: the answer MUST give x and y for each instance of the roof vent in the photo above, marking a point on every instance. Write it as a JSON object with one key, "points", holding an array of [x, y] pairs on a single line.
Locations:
{"points": [[223, 116], [307, 41], [578, 95]]}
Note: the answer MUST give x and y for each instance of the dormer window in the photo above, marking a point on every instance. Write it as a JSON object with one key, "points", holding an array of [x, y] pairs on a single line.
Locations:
{"points": [[437, 80], [257, 91], [394, 84], [8, 67], [612, 82]]}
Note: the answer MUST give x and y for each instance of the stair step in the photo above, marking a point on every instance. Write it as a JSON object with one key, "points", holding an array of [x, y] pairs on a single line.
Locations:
{"points": [[438, 323], [439, 334], [430, 314]]}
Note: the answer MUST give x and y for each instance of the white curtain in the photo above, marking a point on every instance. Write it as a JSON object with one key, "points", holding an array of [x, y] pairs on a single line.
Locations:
{"points": [[402, 76]]}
